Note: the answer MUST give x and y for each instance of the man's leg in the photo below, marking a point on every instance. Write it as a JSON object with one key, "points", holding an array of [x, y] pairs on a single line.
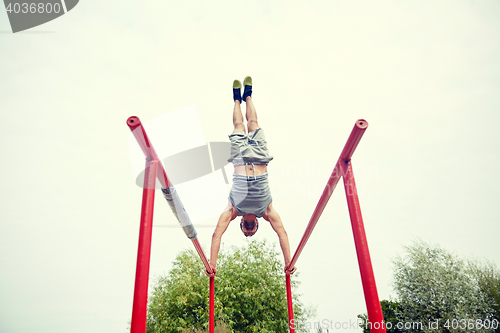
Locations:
{"points": [[237, 115], [238, 118], [251, 114]]}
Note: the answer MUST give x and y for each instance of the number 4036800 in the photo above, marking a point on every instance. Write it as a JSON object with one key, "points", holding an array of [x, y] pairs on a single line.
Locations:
{"points": [[471, 324], [33, 8]]}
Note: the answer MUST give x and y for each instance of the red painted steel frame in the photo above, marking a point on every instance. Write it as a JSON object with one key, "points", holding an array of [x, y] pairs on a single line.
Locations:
{"points": [[138, 324], [142, 138], [147, 147], [367, 276], [375, 316], [203, 258], [291, 322], [212, 283], [211, 306], [351, 144]]}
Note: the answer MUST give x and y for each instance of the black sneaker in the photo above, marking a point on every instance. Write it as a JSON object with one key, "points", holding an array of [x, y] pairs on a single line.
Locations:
{"points": [[237, 90], [248, 88]]}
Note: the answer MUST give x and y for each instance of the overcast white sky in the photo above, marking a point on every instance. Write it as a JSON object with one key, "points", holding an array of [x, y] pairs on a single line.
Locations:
{"points": [[425, 75]]}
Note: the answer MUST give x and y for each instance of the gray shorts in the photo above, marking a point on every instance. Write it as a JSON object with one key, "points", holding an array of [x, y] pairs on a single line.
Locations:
{"points": [[249, 148]]}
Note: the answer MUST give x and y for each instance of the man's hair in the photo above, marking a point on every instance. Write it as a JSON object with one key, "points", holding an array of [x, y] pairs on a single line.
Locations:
{"points": [[249, 225]]}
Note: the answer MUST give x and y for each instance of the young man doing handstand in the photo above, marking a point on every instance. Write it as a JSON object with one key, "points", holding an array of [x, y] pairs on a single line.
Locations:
{"points": [[250, 196]]}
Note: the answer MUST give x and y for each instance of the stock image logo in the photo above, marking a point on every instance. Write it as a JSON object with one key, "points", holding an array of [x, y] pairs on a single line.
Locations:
{"points": [[197, 167], [26, 14], [195, 163]]}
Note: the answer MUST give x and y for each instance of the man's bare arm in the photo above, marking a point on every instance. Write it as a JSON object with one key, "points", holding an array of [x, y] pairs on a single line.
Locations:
{"points": [[222, 224], [273, 217]]}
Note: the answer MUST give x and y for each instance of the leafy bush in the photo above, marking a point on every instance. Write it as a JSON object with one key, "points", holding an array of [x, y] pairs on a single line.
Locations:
{"points": [[250, 293], [442, 292]]}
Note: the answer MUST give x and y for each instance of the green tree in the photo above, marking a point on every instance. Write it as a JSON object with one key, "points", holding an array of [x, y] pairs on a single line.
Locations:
{"points": [[433, 284], [250, 293], [488, 279], [220, 327]]}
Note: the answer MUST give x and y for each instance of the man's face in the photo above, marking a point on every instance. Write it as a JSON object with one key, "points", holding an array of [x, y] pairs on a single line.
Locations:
{"points": [[249, 225]]}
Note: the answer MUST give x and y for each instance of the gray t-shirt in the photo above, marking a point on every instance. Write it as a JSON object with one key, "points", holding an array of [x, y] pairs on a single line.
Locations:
{"points": [[250, 196]]}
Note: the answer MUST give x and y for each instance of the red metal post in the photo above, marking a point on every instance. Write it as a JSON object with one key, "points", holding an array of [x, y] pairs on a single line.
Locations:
{"points": [[203, 258], [211, 306], [138, 324], [375, 316], [150, 175], [291, 320], [147, 147], [351, 144]]}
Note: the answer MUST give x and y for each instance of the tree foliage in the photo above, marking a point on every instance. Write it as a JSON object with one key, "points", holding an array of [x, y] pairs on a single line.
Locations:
{"points": [[433, 284], [250, 293], [442, 292], [488, 278]]}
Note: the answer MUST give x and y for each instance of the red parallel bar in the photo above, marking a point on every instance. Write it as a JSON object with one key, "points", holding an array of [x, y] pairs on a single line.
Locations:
{"points": [[203, 258], [147, 147], [351, 144], [353, 140], [211, 323], [198, 248], [142, 138], [291, 321], [323, 200], [138, 324], [375, 316]]}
